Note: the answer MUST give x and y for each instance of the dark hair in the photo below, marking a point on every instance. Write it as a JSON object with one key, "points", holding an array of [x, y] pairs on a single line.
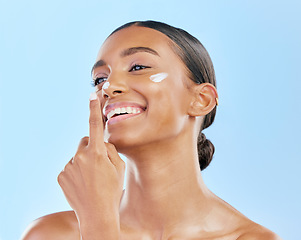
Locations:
{"points": [[200, 70]]}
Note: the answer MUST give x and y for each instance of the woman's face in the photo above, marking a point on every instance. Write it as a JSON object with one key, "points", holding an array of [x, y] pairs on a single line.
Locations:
{"points": [[137, 73]]}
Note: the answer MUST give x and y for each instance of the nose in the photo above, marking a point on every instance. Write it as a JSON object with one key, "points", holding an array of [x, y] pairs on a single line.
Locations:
{"points": [[114, 86]]}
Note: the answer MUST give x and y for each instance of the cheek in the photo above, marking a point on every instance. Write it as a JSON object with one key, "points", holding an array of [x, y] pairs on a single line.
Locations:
{"points": [[164, 93], [165, 97], [167, 107]]}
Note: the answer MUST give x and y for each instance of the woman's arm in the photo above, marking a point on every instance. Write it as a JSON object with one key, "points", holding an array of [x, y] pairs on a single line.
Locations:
{"points": [[92, 181]]}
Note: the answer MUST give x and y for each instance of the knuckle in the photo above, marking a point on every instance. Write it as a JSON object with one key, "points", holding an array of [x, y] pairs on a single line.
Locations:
{"points": [[97, 152], [95, 121], [84, 141], [81, 160], [79, 156], [60, 178], [67, 167], [93, 104]]}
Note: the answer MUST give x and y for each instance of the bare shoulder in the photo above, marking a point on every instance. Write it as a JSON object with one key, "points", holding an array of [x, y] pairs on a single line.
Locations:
{"points": [[61, 225], [239, 227], [258, 232]]}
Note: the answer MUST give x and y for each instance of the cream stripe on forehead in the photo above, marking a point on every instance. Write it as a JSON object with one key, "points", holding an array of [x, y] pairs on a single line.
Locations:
{"points": [[159, 77]]}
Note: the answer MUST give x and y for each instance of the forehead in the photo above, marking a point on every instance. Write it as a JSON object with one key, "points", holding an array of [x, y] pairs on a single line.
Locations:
{"points": [[136, 36]]}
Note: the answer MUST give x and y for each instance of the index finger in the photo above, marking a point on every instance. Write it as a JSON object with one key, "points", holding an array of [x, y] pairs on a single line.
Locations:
{"points": [[95, 123]]}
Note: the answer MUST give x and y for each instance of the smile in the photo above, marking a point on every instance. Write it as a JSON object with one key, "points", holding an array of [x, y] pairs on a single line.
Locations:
{"points": [[121, 111]]}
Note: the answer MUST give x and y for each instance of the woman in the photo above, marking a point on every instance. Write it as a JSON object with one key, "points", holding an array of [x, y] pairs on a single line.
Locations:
{"points": [[155, 93]]}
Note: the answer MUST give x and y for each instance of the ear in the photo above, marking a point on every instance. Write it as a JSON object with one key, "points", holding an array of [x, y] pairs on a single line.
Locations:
{"points": [[204, 99]]}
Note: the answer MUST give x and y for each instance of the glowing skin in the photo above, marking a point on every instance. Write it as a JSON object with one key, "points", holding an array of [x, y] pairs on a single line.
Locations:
{"points": [[165, 196], [105, 85], [158, 77]]}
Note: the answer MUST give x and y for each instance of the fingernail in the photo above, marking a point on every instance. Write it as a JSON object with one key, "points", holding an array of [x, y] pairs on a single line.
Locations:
{"points": [[93, 96]]}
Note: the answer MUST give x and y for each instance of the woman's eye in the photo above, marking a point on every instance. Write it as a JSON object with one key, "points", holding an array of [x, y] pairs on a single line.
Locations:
{"points": [[138, 67], [98, 80]]}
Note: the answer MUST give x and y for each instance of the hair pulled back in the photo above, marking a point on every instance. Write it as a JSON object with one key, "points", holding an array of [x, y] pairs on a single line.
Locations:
{"points": [[200, 70]]}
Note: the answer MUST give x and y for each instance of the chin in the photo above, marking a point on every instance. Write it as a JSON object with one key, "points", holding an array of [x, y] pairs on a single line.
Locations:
{"points": [[124, 141]]}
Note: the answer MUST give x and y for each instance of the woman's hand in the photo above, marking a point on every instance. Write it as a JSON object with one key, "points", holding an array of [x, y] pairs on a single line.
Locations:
{"points": [[92, 181]]}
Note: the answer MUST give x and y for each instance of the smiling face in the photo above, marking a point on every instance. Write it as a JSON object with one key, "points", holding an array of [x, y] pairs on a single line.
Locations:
{"points": [[137, 73]]}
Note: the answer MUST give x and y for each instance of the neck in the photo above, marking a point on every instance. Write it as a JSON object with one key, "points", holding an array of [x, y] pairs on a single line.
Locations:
{"points": [[164, 186]]}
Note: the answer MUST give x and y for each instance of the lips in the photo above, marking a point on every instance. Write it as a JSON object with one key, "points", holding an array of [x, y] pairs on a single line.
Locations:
{"points": [[122, 110]]}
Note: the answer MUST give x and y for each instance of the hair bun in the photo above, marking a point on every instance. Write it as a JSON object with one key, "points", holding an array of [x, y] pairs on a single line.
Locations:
{"points": [[205, 151]]}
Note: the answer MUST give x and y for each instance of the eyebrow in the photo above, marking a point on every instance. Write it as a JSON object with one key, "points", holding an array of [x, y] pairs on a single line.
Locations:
{"points": [[127, 52], [133, 50], [98, 64]]}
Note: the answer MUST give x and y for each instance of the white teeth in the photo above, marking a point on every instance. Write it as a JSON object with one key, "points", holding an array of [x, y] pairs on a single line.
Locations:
{"points": [[129, 110], [110, 114]]}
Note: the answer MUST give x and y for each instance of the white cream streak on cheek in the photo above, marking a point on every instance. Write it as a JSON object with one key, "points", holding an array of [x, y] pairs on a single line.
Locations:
{"points": [[105, 85], [159, 77]]}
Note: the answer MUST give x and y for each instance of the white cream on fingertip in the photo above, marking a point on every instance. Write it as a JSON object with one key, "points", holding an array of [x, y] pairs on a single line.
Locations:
{"points": [[159, 77], [105, 85], [93, 96]]}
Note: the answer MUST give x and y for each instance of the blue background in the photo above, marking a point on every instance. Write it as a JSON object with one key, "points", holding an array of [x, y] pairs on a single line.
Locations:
{"points": [[47, 49]]}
